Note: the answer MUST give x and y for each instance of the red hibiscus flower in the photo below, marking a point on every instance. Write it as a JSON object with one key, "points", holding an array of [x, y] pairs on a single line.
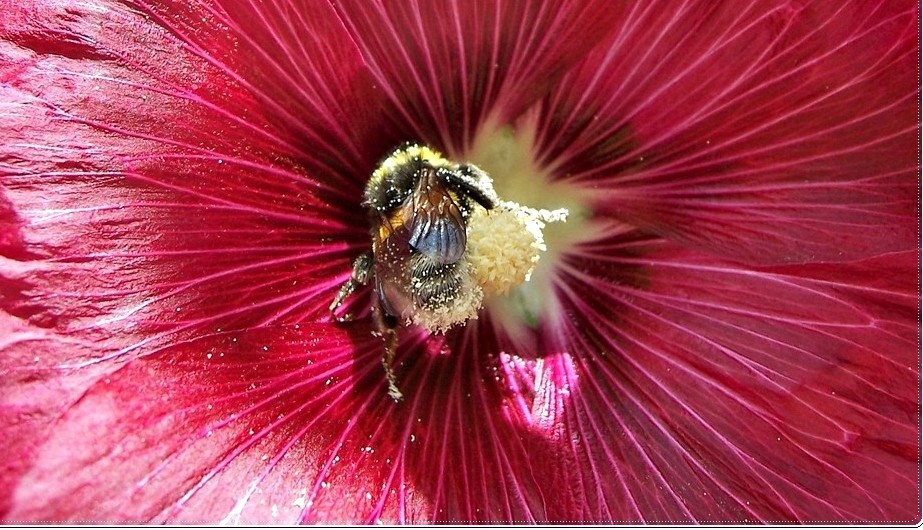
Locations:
{"points": [[726, 329]]}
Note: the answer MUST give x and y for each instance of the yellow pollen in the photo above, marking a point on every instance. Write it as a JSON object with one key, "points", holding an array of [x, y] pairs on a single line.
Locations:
{"points": [[505, 244]]}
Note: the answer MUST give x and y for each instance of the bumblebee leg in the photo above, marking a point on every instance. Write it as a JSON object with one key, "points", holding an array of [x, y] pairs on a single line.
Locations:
{"points": [[387, 360], [387, 325], [362, 273]]}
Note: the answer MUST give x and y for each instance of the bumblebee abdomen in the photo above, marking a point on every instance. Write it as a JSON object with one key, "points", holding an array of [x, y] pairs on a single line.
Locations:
{"points": [[434, 285]]}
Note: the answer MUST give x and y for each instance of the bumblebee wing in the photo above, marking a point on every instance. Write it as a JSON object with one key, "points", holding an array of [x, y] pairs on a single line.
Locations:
{"points": [[437, 229]]}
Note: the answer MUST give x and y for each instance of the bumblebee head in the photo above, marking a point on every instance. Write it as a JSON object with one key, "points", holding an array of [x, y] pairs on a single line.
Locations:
{"points": [[397, 179]]}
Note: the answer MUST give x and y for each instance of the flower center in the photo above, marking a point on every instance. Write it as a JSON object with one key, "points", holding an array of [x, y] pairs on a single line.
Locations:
{"points": [[507, 154]]}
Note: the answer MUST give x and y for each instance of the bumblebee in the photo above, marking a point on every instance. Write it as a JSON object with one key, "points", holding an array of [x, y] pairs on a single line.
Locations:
{"points": [[418, 205]]}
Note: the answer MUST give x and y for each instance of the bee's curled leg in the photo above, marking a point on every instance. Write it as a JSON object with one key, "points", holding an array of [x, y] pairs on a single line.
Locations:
{"points": [[362, 273], [387, 326]]}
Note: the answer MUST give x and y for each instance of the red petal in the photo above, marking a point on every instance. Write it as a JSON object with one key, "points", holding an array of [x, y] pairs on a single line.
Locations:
{"points": [[298, 62], [152, 185], [154, 195], [715, 393], [193, 78], [227, 427], [447, 67], [285, 425], [767, 132]]}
